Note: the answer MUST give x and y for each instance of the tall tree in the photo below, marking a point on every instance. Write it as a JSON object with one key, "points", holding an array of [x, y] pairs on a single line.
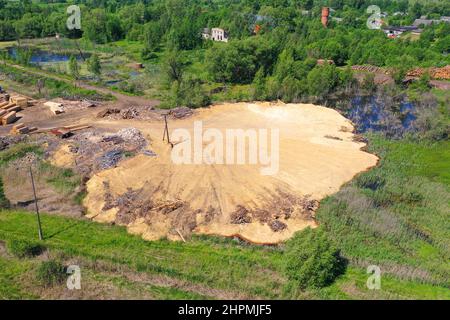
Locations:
{"points": [[73, 67], [94, 65], [259, 85], [174, 66]]}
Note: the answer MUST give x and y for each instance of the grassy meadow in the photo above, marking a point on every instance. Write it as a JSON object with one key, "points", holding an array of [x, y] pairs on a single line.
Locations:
{"points": [[394, 216]]}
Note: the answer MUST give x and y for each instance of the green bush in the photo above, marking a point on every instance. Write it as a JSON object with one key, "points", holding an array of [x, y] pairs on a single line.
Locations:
{"points": [[23, 248], [50, 272], [371, 181], [311, 261]]}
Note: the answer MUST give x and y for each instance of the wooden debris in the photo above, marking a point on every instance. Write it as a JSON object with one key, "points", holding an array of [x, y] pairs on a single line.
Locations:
{"points": [[61, 133], [9, 105], [181, 236], [14, 108], [19, 101], [435, 73], [55, 107], [370, 68], [23, 130], [20, 128], [9, 118]]}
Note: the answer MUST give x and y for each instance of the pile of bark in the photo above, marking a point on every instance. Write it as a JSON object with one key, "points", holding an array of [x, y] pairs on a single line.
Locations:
{"points": [[370, 68], [132, 113], [6, 141], [95, 150], [134, 204], [435, 73], [181, 112], [107, 112], [240, 216], [280, 209]]}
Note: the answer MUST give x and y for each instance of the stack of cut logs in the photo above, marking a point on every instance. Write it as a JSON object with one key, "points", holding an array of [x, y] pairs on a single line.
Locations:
{"points": [[435, 73], [370, 68], [21, 128], [441, 73], [8, 109]]}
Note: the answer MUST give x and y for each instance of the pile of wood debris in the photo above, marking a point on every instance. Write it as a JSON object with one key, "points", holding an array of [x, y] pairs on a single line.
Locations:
{"points": [[435, 73]]}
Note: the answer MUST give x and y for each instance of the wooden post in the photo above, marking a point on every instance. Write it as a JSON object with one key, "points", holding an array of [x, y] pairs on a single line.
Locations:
{"points": [[36, 206], [166, 130]]}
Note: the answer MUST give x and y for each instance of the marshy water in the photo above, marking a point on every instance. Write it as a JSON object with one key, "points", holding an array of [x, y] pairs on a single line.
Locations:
{"points": [[39, 57], [375, 114]]}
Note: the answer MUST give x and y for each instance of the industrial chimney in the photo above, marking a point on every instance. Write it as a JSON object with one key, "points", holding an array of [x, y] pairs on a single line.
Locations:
{"points": [[325, 15]]}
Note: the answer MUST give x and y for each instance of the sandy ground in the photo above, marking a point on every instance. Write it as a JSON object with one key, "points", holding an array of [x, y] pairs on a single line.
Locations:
{"points": [[316, 156]]}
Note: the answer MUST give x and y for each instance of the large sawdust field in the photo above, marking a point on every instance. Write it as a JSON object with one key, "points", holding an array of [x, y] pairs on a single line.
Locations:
{"points": [[158, 198]]}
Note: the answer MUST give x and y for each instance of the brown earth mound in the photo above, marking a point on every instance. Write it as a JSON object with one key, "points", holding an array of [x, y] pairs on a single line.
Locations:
{"points": [[157, 198]]}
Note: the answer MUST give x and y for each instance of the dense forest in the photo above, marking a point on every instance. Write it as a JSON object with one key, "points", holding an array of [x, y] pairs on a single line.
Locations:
{"points": [[290, 25], [280, 60]]}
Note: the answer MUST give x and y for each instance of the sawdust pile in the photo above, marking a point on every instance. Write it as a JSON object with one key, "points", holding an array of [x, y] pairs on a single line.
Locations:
{"points": [[156, 198]]}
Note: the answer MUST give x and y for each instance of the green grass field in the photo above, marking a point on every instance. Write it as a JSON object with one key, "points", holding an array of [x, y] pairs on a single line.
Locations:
{"points": [[212, 264], [25, 82], [397, 215], [394, 216]]}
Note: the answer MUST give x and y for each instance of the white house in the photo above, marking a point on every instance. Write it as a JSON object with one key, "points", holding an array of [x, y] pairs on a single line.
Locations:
{"points": [[215, 34], [395, 32]]}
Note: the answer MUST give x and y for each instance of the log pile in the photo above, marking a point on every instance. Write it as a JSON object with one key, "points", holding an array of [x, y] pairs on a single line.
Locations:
{"points": [[8, 118], [20, 101], [441, 73], [435, 73], [70, 128], [370, 68], [21, 128], [9, 109], [8, 113]]}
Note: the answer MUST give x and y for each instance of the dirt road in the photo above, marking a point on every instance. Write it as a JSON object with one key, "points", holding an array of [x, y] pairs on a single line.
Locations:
{"points": [[39, 116], [121, 99]]}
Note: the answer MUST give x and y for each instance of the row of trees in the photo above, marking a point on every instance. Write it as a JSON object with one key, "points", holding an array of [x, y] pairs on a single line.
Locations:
{"points": [[180, 21]]}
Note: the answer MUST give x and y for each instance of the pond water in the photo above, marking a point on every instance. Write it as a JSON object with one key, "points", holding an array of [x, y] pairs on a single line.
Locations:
{"points": [[371, 114], [41, 56]]}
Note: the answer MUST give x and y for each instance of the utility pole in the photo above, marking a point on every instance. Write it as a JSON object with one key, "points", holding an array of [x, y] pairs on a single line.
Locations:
{"points": [[36, 206], [166, 130]]}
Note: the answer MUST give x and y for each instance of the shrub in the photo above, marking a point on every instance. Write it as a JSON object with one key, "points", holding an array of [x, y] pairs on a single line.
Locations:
{"points": [[311, 261], [23, 248], [50, 272], [370, 181], [188, 93]]}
